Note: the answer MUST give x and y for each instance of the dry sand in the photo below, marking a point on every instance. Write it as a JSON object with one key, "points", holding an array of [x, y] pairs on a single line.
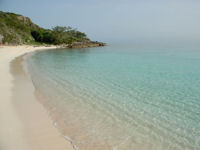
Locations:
{"points": [[24, 123]]}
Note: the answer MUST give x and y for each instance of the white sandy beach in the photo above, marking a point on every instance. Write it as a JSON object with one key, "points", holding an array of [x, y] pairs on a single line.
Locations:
{"points": [[24, 123]]}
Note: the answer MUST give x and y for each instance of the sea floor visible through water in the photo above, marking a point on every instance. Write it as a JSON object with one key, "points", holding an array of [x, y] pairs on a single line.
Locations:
{"points": [[117, 98]]}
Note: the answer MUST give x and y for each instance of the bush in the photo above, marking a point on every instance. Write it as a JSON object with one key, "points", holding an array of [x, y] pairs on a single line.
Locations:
{"points": [[19, 29], [58, 35]]}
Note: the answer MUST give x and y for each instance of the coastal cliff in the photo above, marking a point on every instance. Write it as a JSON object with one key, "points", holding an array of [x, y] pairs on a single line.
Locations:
{"points": [[16, 29]]}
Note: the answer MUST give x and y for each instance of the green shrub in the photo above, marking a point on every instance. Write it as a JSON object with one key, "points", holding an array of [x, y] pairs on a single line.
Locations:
{"points": [[18, 29]]}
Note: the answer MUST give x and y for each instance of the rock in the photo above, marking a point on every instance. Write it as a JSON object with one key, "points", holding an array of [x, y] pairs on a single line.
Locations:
{"points": [[85, 44], [26, 20]]}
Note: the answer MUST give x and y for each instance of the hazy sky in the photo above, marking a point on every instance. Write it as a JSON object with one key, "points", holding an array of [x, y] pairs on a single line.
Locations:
{"points": [[115, 19]]}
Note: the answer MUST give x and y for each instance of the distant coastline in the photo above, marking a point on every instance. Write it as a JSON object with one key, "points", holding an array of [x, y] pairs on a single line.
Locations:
{"points": [[87, 44]]}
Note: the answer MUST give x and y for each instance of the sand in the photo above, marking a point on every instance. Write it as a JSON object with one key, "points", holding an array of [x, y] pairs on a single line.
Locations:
{"points": [[24, 123]]}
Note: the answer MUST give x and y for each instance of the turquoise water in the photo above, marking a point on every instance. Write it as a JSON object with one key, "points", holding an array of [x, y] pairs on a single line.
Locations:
{"points": [[122, 98]]}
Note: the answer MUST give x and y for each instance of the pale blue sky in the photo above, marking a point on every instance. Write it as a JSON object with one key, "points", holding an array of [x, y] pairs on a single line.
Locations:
{"points": [[116, 19]]}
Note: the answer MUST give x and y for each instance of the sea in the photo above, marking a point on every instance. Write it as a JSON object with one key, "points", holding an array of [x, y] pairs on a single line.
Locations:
{"points": [[121, 97]]}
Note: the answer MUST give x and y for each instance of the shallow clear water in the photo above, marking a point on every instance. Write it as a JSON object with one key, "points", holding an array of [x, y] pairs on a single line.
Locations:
{"points": [[122, 98]]}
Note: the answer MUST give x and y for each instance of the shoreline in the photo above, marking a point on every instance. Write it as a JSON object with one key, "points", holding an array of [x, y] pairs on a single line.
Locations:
{"points": [[25, 124]]}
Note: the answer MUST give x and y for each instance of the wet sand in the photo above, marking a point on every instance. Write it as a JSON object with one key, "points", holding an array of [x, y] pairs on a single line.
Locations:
{"points": [[24, 123]]}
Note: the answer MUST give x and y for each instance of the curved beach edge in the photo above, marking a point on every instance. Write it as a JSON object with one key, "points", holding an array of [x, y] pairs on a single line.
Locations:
{"points": [[25, 124]]}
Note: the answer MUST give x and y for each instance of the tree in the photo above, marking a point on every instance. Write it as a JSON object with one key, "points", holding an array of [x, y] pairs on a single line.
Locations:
{"points": [[37, 35], [59, 29]]}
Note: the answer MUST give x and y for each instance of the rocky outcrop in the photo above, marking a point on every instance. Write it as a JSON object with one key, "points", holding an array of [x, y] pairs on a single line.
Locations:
{"points": [[86, 44], [24, 19]]}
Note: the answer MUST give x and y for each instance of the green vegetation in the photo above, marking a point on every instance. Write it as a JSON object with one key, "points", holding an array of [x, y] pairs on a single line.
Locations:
{"points": [[17, 29], [59, 35]]}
